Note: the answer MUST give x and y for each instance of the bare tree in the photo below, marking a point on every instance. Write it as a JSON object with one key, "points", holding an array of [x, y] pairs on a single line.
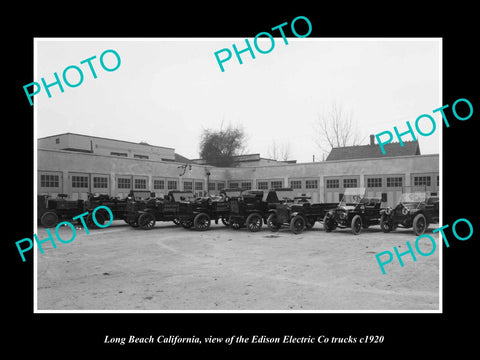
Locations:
{"points": [[279, 151], [335, 128], [219, 147]]}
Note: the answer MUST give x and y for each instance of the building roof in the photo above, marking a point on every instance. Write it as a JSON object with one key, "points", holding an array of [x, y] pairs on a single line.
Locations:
{"points": [[374, 151], [104, 138]]}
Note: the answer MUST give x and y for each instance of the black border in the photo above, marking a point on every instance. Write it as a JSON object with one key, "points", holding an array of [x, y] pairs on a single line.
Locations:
{"points": [[84, 333]]}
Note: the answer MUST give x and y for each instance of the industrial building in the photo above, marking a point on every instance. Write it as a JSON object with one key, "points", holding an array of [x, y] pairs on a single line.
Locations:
{"points": [[77, 165]]}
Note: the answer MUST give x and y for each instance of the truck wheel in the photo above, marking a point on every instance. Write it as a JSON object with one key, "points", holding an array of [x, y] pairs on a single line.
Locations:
{"points": [[146, 221], [385, 224], [225, 221], [201, 222], [309, 224], [356, 225], [254, 222], [419, 224], [272, 223], [186, 223], [49, 219], [329, 224], [297, 224], [234, 223], [99, 216]]}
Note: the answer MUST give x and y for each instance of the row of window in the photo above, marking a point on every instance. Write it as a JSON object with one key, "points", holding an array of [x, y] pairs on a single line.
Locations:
{"points": [[101, 182], [136, 156]]}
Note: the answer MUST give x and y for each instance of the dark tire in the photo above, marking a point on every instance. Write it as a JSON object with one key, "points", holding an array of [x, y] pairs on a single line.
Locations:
{"points": [[49, 219], [297, 224], [328, 224], [356, 225], [186, 223], [201, 222], [225, 221], [272, 223], [176, 221], [234, 223], [385, 224], [146, 221], [254, 222], [310, 224], [99, 216], [419, 224]]}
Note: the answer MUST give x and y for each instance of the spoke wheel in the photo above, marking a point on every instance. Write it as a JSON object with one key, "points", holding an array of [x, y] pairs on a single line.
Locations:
{"points": [[225, 221], [385, 224], [419, 224], [297, 224], [356, 225], [146, 221], [201, 222], [254, 222], [272, 223]]}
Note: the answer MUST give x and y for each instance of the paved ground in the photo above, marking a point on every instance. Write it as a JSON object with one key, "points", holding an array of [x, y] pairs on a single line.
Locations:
{"points": [[170, 268]]}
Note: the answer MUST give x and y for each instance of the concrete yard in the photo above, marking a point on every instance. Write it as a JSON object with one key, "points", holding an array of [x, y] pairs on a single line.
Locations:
{"points": [[171, 268]]}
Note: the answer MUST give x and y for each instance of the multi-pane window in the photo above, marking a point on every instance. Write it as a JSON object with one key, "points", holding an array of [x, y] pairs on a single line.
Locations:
{"points": [[438, 180], [49, 180], [118, 154], [172, 185], [394, 181], [124, 183], [421, 181], [333, 183], [276, 184], [187, 186], [262, 185], [296, 184], [374, 182], [349, 183], [198, 186], [311, 184], [140, 183], [233, 185], [79, 181], [158, 184], [100, 182], [246, 186], [220, 186], [211, 186]]}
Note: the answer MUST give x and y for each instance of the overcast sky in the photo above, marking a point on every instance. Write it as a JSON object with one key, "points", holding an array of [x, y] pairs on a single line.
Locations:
{"points": [[167, 90]]}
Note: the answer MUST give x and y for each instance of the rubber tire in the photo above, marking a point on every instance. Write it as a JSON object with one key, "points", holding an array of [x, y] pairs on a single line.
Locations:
{"points": [[270, 223], [146, 221], [186, 223], [327, 227], [234, 223], [201, 222], [356, 225], [99, 216], [419, 218], [225, 221], [385, 224], [49, 219], [254, 222], [297, 224]]}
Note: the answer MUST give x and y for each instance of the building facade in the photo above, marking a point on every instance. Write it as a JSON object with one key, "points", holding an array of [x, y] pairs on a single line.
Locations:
{"points": [[69, 170]]}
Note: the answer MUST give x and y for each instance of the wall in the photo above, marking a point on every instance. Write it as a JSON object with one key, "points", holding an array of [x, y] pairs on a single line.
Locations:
{"points": [[77, 173]]}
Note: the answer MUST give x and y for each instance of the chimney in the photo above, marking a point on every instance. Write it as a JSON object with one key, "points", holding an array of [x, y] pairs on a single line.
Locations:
{"points": [[372, 139]]}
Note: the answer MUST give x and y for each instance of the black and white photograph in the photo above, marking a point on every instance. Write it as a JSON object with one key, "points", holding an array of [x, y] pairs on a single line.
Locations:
{"points": [[261, 187], [284, 185]]}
